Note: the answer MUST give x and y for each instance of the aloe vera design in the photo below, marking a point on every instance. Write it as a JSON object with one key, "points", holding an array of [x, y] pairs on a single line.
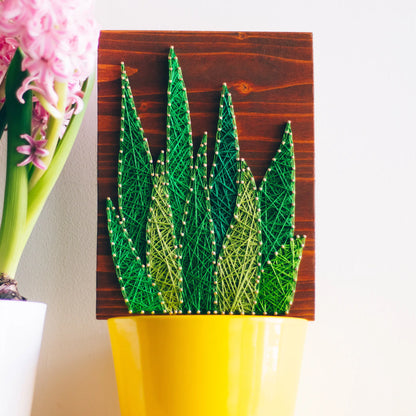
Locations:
{"points": [[223, 178], [199, 248], [238, 264], [187, 241]]}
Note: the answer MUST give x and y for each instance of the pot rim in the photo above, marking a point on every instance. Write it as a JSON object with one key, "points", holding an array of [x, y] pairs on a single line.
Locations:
{"points": [[204, 317], [24, 304]]}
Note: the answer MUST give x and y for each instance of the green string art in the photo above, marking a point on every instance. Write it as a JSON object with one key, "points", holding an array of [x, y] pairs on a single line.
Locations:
{"points": [[162, 249], [198, 254], [223, 178], [187, 241], [281, 253], [137, 287], [135, 170], [279, 277], [277, 198], [238, 265], [179, 148]]}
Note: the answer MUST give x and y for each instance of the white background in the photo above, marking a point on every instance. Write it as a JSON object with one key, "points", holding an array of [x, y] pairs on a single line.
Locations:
{"points": [[360, 352]]}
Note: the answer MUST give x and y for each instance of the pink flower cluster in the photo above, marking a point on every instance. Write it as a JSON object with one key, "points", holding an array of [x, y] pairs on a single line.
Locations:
{"points": [[58, 38], [7, 49]]}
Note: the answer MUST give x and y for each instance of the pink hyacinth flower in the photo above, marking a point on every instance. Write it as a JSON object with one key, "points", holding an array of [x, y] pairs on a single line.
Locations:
{"points": [[34, 150], [58, 39]]}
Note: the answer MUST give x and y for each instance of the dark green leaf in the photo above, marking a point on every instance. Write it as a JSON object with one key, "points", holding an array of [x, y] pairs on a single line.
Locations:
{"points": [[135, 170], [279, 277], [179, 142], [138, 289], [198, 253], [277, 198], [224, 169]]}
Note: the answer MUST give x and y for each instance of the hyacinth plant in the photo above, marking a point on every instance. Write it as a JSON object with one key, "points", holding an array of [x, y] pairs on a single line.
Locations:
{"points": [[186, 239], [47, 59]]}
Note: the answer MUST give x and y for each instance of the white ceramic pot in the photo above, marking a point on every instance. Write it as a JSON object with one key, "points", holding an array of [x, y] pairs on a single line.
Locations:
{"points": [[21, 327]]}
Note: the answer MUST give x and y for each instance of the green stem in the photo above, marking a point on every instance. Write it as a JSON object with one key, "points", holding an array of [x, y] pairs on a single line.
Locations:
{"points": [[41, 190], [15, 196]]}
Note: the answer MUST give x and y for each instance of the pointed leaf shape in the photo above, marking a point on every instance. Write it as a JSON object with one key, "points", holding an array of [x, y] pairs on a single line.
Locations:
{"points": [[277, 198], [179, 142], [223, 180], [198, 253], [162, 250], [279, 277], [239, 261], [137, 287], [135, 170]]}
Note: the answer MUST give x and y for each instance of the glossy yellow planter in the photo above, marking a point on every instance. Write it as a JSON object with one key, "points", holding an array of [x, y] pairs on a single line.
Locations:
{"points": [[207, 365]]}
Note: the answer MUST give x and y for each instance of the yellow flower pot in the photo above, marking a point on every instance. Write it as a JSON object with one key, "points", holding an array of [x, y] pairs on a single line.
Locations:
{"points": [[207, 365]]}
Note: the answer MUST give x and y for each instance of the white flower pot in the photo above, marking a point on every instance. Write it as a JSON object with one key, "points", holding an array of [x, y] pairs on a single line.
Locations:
{"points": [[21, 327]]}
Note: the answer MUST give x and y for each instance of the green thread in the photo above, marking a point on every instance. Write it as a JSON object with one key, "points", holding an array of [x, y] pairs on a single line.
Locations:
{"points": [[277, 198], [163, 258], [279, 277], [239, 260], [138, 289], [198, 254], [223, 186], [225, 247], [179, 142], [135, 170]]}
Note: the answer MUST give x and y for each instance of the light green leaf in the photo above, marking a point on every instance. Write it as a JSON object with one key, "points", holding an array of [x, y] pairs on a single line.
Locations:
{"points": [[163, 260], [239, 260]]}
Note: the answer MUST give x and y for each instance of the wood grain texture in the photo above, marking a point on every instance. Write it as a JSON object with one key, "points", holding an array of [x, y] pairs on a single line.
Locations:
{"points": [[270, 77]]}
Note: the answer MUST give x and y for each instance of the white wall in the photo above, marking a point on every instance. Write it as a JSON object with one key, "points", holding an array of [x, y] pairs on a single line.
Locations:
{"points": [[360, 352]]}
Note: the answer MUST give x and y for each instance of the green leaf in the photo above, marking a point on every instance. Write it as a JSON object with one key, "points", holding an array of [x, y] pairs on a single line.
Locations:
{"points": [[279, 277], [137, 287], [19, 117], [135, 170], [198, 253], [179, 142], [239, 260], [223, 176], [277, 198], [162, 248]]}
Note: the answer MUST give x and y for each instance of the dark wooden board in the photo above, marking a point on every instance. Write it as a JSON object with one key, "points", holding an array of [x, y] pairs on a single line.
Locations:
{"points": [[270, 77]]}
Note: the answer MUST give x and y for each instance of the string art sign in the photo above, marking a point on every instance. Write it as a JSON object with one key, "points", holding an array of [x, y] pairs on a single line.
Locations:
{"points": [[196, 223]]}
